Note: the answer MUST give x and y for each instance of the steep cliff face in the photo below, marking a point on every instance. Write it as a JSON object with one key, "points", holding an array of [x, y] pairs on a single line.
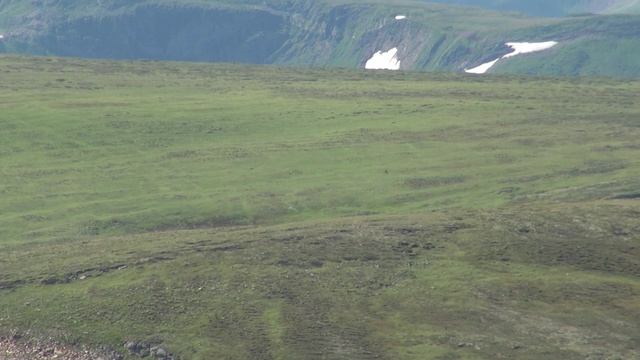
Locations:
{"points": [[171, 33], [348, 35]]}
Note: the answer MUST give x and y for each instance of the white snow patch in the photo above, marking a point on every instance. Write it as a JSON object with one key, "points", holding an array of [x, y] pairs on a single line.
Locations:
{"points": [[1, 36], [518, 48], [482, 68], [526, 47], [384, 61], [401, 17]]}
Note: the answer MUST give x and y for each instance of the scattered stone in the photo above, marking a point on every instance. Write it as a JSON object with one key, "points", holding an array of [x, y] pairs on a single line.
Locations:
{"points": [[144, 352], [47, 352], [428, 246], [620, 232], [131, 346], [453, 227], [17, 347], [158, 352]]}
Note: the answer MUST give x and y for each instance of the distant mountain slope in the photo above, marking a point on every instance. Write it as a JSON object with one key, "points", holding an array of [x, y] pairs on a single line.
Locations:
{"points": [[554, 7], [624, 7], [427, 36], [599, 45]]}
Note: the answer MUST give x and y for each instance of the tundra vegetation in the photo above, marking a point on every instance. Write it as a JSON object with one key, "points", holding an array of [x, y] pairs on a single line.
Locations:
{"points": [[242, 212]]}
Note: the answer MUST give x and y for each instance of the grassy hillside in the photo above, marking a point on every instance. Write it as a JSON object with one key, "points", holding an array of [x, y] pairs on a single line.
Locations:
{"points": [[605, 46], [260, 213]]}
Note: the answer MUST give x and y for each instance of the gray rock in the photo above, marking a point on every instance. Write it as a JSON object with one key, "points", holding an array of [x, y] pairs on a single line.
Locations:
{"points": [[131, 346], [144, 352], [159, 353], [465, 344]]}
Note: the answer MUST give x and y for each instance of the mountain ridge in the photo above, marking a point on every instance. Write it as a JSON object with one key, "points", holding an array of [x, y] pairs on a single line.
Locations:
{"points": [[432, 37]]}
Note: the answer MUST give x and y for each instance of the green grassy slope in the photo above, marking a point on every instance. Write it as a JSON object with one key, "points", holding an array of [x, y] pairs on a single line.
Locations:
{"points": [[262, 213], [605, 46], [585, 57]]}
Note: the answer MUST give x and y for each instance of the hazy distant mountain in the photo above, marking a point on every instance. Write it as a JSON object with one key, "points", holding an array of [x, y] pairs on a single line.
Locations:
{"points": [[425, 35], [555, 7]]}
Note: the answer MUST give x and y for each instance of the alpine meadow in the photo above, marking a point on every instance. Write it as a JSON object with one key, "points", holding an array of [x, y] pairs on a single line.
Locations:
{"points": [[293, 206]]}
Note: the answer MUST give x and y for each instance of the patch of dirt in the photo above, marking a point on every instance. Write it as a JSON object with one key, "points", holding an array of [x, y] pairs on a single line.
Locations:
{"points": [[422, 183], [589, 344], [82, 274], [15, 348], [10, 284], [628, 196]]}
